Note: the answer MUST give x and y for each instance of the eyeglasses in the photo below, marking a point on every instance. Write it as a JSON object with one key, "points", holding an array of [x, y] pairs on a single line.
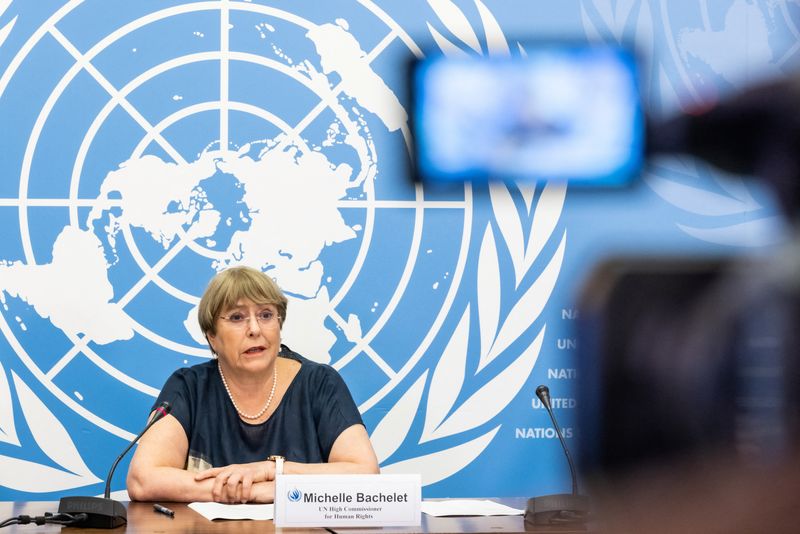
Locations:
{"points": [[266, 318]]}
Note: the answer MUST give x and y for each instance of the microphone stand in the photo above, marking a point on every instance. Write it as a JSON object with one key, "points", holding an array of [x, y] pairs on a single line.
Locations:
{"points": [[561, 508], [105, 512]]}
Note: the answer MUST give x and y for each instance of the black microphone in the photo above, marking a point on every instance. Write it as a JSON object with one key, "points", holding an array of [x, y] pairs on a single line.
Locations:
{"points": [[104, 512], [561, 508]]}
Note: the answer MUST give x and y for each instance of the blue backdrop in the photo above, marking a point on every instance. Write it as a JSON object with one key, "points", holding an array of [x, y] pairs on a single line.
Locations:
{"points": [[146, 145]]}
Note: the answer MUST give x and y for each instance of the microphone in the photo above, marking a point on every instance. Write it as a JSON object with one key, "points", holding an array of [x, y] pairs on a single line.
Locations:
{"points": [[104, 512], [561, 508]]}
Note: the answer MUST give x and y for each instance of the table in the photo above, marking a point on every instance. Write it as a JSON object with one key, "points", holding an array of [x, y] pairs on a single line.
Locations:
{"points": [[142, 519]]}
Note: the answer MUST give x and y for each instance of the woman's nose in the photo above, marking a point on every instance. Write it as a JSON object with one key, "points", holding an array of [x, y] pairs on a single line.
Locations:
{"points": [[253, 326]]}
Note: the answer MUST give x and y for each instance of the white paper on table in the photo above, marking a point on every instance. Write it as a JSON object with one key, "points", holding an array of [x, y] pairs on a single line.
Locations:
{"points": [[467, 507], [216, 510]]}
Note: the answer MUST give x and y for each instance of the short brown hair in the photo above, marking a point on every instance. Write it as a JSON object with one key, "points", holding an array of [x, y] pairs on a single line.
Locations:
{"points": [[231, 285]]}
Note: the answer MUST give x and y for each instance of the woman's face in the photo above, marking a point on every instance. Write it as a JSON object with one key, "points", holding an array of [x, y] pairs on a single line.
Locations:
{"points": [[248, 336]]}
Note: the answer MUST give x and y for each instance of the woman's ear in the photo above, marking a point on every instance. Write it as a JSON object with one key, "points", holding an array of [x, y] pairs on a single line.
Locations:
{"points": [[211, 339]]}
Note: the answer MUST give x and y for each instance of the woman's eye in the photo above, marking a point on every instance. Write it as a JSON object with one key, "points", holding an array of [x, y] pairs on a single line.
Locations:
{"points": [[236, 317]]}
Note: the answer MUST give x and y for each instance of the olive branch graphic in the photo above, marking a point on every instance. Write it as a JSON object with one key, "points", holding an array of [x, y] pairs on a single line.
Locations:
{"points": [[5, 31], [442, 416], [50, 436], [676, 180]]}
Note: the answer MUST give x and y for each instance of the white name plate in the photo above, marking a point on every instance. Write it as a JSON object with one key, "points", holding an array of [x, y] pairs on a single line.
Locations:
{"points": [[347, 500]]}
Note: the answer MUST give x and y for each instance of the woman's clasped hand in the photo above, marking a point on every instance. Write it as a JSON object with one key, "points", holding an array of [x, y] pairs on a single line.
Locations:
{"points": [[236, 483]]}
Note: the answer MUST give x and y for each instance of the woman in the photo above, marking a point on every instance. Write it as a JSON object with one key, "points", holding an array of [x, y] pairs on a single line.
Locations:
{"points": [[237, 417]]}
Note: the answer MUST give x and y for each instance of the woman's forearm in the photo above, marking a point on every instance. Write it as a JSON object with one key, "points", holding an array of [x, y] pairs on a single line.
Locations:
{"points": [[339, 468], [178, 485], [167, 484]]}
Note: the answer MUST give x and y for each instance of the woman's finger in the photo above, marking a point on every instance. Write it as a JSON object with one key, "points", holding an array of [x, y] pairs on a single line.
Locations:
{"points": [[247, 485], [208, 473]]}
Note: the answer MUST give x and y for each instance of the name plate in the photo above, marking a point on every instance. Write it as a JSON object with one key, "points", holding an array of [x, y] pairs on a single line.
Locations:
{"points": [[347, 500]]}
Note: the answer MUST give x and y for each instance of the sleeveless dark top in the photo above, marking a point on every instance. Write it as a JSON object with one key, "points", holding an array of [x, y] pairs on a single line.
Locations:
{"points": [[316, 408]]}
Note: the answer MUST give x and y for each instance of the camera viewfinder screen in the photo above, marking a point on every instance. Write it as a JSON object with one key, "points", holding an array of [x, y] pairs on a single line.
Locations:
{"points": [[567, 113]]}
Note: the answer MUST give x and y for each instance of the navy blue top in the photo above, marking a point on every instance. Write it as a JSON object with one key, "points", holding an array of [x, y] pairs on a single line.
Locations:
{"points": [[316, 408]]}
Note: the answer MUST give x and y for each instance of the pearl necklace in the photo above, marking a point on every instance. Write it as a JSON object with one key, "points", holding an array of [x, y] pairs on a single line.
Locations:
{"points": [[269, 400]]}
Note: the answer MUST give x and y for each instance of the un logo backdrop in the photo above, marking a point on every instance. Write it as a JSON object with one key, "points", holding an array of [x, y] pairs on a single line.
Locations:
{"points": [[147, 145]]}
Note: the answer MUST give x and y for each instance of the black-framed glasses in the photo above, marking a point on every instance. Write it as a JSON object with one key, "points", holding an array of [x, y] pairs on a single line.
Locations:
{"points": [[265, 318]]}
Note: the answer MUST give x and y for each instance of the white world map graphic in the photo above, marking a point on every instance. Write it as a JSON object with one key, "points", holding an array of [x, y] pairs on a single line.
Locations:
{"points": [[281, 185]]}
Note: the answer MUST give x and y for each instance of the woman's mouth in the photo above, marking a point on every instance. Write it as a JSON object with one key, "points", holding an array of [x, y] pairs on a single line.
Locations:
{"points": [[255, 350]]}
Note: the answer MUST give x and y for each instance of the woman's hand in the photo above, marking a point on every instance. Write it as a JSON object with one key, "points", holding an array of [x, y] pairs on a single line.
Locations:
{"points": [[234, 483], [263, 492]]}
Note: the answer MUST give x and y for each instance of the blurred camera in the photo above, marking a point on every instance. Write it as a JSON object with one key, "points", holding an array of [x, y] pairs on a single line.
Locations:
{"points": [[563, 111]]}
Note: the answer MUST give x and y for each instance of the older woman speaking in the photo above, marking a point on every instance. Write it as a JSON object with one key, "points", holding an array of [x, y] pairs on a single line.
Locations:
{"points": [[256, 410]]}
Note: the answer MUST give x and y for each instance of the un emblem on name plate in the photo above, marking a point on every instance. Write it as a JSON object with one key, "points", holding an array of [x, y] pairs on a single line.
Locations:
{"points": [[165, 142], [294, 495]]}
